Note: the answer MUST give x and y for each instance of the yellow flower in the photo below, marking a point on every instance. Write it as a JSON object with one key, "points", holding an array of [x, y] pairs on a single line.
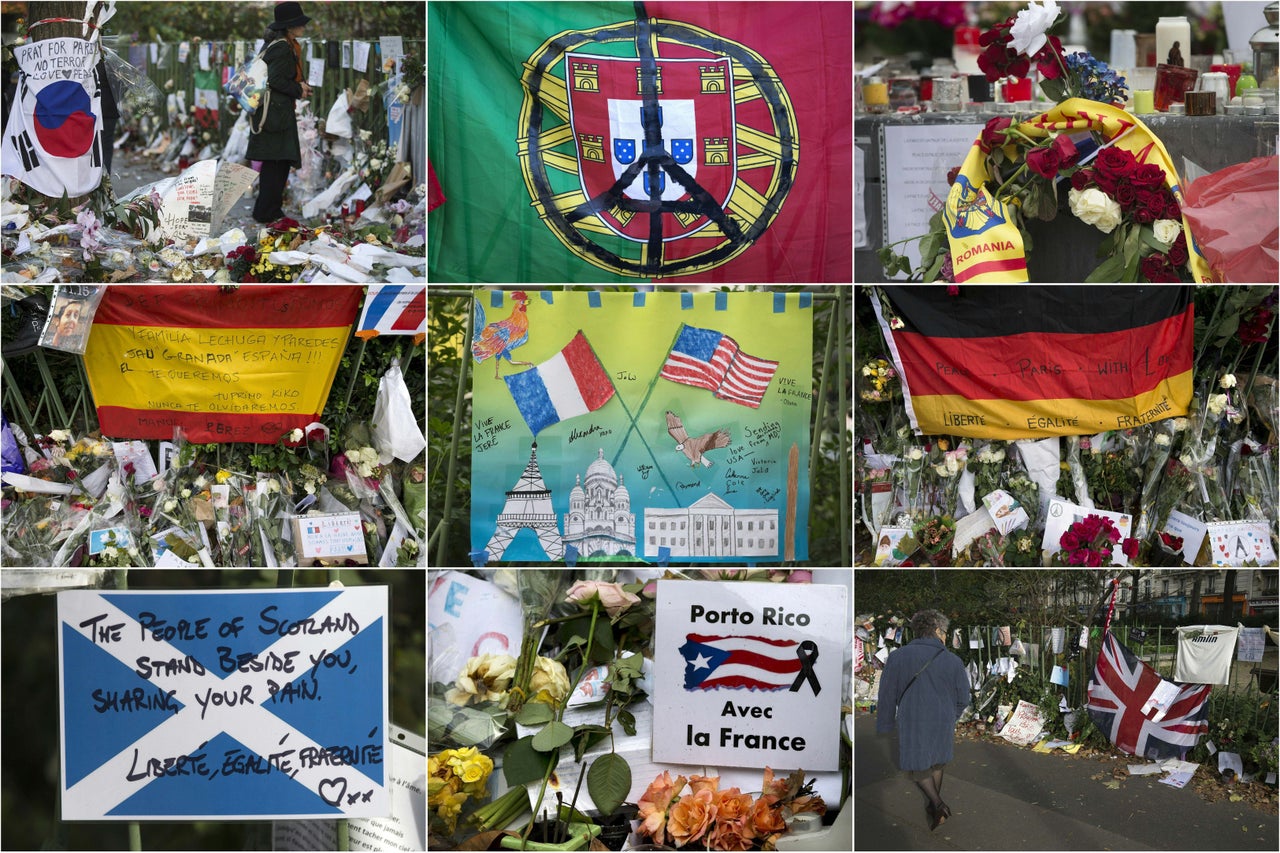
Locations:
{"points": [[222, 476], [486, 678], [549, 683]]}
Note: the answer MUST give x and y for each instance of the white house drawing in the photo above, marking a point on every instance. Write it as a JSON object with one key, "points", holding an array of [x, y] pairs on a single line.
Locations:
{"points": [[600, 520], [709, 527]]}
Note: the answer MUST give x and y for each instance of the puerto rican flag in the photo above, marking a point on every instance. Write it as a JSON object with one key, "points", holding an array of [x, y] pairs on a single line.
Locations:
{"points": [[569, 384], [756, 663], [705, 358], [1119, 691]]}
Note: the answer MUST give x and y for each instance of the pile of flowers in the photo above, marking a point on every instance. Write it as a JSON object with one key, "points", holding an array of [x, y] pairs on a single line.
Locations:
{"points": [[709, 818], [880, 377], [1089, 542]]}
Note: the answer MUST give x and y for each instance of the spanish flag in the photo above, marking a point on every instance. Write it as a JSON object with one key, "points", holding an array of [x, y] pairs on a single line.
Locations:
{"points": [[242, 366], [1033, 362]]}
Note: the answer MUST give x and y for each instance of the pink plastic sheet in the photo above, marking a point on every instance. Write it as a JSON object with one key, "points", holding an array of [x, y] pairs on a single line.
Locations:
{"points": [[1233, 215]]}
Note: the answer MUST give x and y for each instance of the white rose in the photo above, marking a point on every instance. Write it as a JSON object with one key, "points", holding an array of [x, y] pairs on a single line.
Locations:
{"points": [[915, 453], [368, 454], [1167, 231], [353, 456], [1028, 30], [186, 493], [170, 505], [1227, 381], [296, 435], [1094, 207], [59, 435], [109, 553], [1218, 403], [1179, 424], [133, 552], [1162, 440]]}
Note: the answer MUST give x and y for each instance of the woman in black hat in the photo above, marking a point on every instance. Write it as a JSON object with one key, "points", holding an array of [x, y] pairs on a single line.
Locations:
{"points": [[274, 128]]}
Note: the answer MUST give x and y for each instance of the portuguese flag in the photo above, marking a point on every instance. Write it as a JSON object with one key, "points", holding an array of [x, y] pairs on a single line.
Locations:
{"points": [[1019, 362], [626, 142], [245, 366]]}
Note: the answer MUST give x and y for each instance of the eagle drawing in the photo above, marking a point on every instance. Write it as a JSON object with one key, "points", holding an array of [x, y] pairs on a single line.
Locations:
{"points": [[695, 447]]}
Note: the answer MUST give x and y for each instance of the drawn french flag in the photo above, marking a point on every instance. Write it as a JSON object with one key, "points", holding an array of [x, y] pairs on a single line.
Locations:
{"points": [[705, 358], [752, 662], [569, 384]]}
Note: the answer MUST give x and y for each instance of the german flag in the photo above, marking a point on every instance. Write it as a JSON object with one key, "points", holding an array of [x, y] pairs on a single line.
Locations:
{"points": [[1024, 362], [242, 366]]}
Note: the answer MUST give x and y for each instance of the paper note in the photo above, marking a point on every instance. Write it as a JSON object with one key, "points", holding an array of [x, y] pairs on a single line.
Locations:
{"points": [[315, 74], [361, 56], [1059, 676]]}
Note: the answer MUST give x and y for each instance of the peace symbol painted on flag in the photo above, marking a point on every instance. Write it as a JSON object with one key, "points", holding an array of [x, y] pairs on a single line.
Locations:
{"points": [[685, 150]]}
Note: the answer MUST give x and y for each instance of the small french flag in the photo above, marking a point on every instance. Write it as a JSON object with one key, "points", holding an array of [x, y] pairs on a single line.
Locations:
{"points": [[569, 384]]}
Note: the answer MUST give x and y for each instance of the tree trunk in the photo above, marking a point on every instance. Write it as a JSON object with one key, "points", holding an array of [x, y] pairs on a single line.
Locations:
{"points": [[39, 11], [1228, 593], [1195, 595]]}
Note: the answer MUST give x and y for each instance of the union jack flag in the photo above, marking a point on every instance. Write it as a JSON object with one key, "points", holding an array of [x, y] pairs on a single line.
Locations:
{"points": [[1120, 689], [756, 663]]}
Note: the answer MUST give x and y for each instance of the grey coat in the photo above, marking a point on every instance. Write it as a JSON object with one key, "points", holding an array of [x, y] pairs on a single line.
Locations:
{"points": [[926, 715], [278, 137]]}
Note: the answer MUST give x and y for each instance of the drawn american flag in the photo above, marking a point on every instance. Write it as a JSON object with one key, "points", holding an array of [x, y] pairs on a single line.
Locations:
{"points": [[705, 358], [1120, 688], [735, 662]]}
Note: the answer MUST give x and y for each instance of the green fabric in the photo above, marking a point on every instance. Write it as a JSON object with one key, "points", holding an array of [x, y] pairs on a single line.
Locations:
{"points": [[278, 138], [487, 230]]}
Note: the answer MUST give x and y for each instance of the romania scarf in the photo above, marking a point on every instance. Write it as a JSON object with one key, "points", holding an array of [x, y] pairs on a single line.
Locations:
{"points": [[985, 243]]}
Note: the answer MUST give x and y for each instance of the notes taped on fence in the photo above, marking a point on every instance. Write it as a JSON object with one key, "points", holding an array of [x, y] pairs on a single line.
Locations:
{"points": [[200, 705]]}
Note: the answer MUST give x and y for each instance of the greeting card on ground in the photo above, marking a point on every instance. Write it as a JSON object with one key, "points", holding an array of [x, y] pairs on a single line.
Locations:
{"points": [[1005, 511], [887, 551], [1234, 543], [748, 674]]}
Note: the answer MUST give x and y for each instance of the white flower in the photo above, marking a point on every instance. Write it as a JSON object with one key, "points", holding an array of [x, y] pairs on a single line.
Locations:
{"points": [[109, 553], [170, 505], [201, 481], [915, 453], [133, 552], [59, 435], [310, 487], [296, 435], [353, 456], [1028, 30], [1167, 230], [375, 164], [1162, 440], [1179, 424], [186, 493], [368, 454], [1217, 404], [1227, 381], [1094, 207]]}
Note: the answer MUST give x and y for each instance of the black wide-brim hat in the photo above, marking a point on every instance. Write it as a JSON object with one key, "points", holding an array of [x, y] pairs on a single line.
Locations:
{"points": [[288, 15]]}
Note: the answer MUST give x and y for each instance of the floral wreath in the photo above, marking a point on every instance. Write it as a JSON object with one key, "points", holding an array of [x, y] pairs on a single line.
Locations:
{"points": [[1120, 178]]}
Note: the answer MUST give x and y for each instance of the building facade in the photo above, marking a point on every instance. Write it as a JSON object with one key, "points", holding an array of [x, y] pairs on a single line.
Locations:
{"points": [[600, 520], [709, 527]]}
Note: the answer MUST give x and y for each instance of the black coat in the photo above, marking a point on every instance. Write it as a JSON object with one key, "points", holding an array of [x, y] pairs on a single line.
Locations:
{"points": [[277, 138], [926, 714]]}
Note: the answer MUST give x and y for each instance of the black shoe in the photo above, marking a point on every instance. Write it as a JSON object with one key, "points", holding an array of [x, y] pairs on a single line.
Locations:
{"points": [[32, 311]]}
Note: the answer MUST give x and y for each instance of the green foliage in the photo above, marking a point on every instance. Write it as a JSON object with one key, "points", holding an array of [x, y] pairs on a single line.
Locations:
{"points": [[227, 21]]}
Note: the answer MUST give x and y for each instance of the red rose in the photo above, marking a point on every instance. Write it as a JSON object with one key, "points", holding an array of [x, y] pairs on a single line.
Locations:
{"points": [[1049, 59], [952, 174], [1092, 559], [1147, 175], [1172, 210], [1174, 543], [1178, 254], [1125, 195], [1081, 179], [1105, 182], [1113, 161], [1069, 541], [1067, 151], [993, 133], [1044, 161], [316, 434], [1130, 548], [1148, 206]]}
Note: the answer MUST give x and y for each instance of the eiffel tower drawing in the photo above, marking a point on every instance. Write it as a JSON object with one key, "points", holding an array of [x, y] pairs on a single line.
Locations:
{"points": [[528, 505]]}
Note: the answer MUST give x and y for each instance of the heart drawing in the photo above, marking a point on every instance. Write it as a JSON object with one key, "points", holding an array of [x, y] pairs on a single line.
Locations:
{"points": [[338, 787]]}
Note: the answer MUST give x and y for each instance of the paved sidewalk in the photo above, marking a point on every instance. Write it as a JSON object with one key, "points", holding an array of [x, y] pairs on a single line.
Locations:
{"points": [[1004, 797]]}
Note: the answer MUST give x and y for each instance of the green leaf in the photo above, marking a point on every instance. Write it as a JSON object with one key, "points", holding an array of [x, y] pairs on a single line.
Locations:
{"points": [[555, 735], [627, 720], [935, 268], [1055, 89], [1109, 270], [521, 763], [535, 713], [1131, 246], [1149, 238], [609, 782]]}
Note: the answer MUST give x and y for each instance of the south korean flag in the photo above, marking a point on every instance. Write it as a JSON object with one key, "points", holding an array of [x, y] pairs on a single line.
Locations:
{"points": [[53, 139]]}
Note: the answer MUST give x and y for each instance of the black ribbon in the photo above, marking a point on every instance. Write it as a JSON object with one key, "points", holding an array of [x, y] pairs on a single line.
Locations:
{"points": [[807, 652]]}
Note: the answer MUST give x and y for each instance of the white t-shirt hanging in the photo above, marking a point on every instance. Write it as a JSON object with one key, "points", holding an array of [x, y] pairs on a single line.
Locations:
{"points": [[1204, 654]]}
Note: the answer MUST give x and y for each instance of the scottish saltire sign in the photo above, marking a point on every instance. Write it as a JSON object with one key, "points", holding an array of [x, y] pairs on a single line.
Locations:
{"points": [[1026, 362], [748, 674], [244, 366], [236, 705], [53, 134], [659, 426]]}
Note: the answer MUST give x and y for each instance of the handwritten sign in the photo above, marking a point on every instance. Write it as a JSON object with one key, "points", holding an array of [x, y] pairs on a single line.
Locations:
{"points": [[201, 705], [748, 674], [473, 615], [326, 537], [1024, 726], [244, 366], [186, 208], [1234, 543]]}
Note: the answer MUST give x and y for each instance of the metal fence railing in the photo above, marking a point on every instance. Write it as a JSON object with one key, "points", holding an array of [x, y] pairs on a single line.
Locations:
{"points": [[1157, 646]]}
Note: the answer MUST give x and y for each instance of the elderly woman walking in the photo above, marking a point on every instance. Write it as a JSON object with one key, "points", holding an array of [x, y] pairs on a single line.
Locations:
{"points": [[924, 689]]}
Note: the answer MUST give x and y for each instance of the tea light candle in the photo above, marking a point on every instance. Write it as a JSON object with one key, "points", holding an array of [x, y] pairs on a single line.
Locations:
{"points": [[1143, 102]]}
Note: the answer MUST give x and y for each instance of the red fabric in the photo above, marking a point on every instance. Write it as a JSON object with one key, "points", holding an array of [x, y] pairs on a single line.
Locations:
{"points": [[807, 46], [435, 195], [1216, 205]]}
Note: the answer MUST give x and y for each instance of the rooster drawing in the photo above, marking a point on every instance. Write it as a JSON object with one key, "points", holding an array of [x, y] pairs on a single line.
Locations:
{"points": [[499, 338], [695, 447]]}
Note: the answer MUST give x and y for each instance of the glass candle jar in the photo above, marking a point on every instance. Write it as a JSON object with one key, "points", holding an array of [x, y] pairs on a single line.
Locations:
{"points": [[1218, 83], [1172, 83], [947, 93], [875, 95], [1232, 70], [1171, 31]]}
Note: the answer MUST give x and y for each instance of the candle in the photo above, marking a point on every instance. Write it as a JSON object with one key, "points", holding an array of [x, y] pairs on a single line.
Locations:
{"points": [[1171, 31], [875, 94], [1143, 102]]}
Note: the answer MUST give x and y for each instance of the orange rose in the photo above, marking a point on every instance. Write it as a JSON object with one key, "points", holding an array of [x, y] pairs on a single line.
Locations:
{"points": [[732, 805], [766, 819], [691, 816], [704, 783], [655, 803], [732, 835], [811, 803], [772, 789]]}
